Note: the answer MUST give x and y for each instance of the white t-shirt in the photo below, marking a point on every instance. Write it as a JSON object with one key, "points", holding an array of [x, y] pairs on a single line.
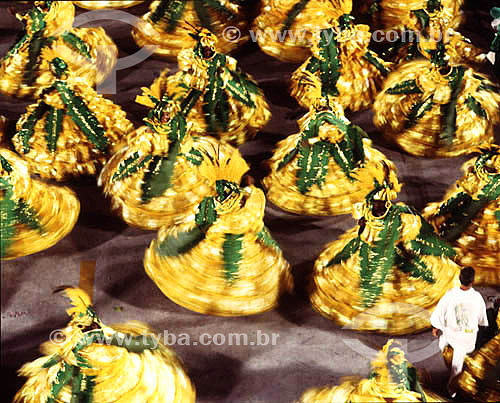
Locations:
{"points": [[458, 315]]}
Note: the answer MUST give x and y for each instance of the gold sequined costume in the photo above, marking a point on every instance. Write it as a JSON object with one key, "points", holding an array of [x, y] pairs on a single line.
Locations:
{"points": [[92, 362], [89, 52], [315, 171], [387, 273], [392, 379], [35, 215], [71, 130], [167, 25], [434, 108], [221, 259], [481, 367], [469, 216], [216, 96], [97, 5], [286, 29], [347, 69], [158, 176]]}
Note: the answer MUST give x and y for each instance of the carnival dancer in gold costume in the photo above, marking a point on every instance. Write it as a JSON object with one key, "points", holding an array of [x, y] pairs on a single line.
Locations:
{"points": [[92, 362], [386, 273], [34, 215], [479, 379], [285, 29], [89, 52], [158, 176], [164, 26], [98, 5], [469, 216], [392, 379], [71, 130], [220, 259], [436, 108], [347, 69], [315, 171], [216, 96]]}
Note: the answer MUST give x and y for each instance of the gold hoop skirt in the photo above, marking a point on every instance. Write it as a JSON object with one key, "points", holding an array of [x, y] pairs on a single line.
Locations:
{"points": [[98, 5], [294, 45], [169, 43], [119, 375], [35, 215], [404, 303], [379, 387], [243, 121], [413, 120], [337, 194], [198, 279], [479, 245], [359, 81], [59, 20], [74, 152], [189, 184]]}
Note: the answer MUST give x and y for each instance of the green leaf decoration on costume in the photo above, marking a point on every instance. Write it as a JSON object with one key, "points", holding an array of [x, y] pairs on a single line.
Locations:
{"points": [[207, 214], [242, 87], [398, 372], [329, 62], [130, 166], [63, 377], [423, 19], [133, 344], [232, 255], [266, 238], [195, 157], [288, 157], [82, 116], [76, 385], [476, 107], [28, 127], [377, 260], [449, 110], [377, 62], [190, 100], [12, 214], [418, 111], [5, 165], [349, 250], [413, 265], [497, 216], [76, 43], [313, 165], [88, 392], [53, 127], [169, 10], [20, 41], [36, 43], [461, 209], [405, 87], [53, 360], [293, 13], [215, 99], [180, 243], [428, 242]]}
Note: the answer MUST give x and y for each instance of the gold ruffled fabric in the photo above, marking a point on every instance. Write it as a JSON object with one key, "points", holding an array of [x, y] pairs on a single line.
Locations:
{"points": [[359, 81], [169, 44], [294, 45], [97, 5], [75, 154], [244, 121], [394, 14], [59, 19], [337, 194], [189, 183], [479, 366], [404, 303], [196, 280], [117, 374], [379, 387], [56, 209], [479, 245], [392, 112]]}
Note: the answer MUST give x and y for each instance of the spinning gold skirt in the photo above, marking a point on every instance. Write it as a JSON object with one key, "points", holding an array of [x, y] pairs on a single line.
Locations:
{"points": [[54, 208], [97, 5]]}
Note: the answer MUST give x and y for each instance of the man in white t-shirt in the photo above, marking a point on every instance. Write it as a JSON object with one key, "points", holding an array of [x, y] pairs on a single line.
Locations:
{"points": [[458, 316]]}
